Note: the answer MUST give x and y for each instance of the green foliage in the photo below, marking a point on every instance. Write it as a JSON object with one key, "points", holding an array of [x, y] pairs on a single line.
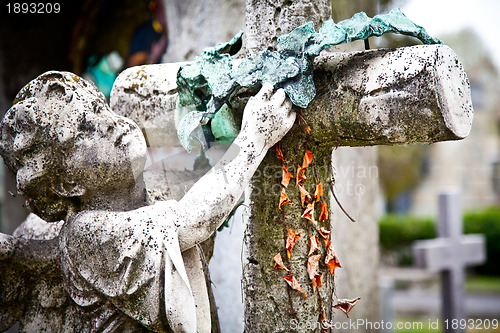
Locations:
{"points": [[483, 283], [398, 232], [400, 168], [486, 222]]}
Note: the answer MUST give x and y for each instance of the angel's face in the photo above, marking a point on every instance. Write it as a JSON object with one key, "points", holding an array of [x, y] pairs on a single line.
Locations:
{"points": [[109, 150]]}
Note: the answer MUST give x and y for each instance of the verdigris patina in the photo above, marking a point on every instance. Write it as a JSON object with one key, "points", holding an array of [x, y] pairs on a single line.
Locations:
{"points": [[207, 83]]}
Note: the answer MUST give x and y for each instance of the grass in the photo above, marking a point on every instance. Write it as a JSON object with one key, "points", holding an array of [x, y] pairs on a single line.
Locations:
{"points": [[424, 325], [419, 324], [415, 325], [483, 283]]}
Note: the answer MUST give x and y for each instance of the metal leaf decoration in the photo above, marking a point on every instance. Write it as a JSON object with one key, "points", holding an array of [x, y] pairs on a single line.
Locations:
{"points": [[207, 83]]}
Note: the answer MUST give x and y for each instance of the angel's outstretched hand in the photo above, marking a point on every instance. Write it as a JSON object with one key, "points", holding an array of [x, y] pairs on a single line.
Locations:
{"points": [[268, 116]]}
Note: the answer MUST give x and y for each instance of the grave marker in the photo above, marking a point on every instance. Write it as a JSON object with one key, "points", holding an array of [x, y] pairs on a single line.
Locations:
{"points": [[450, 254]]}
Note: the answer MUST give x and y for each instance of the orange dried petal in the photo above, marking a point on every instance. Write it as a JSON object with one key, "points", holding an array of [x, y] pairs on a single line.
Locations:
{"points": [[346, 305], [279, 152], [300, 174], [331, 259], [279, 262], [286, 176], [294, 284], [313, 241], [323, 212], [318, 192], [309, 213], [304, 195], [325, 234], [312, 266], [308, 157], [290, 241], [316, 282], [284, 198]]}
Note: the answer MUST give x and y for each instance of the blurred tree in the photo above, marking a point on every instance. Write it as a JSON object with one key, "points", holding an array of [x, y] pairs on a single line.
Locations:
{"points": [[400, 169]]}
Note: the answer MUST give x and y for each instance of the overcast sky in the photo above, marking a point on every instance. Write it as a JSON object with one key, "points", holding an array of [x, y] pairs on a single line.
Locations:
{"points": [[445, 16]]}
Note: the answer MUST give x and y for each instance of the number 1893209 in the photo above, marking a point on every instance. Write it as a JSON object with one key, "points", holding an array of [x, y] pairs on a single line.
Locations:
{"points": [[33, 8], [472, 324]]}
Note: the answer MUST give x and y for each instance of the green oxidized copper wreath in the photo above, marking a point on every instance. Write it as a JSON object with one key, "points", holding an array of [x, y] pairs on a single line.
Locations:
{"points": [[206, 84]]}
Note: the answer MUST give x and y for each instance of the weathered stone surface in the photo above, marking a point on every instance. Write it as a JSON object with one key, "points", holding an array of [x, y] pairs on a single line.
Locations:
{"points": [[196, 24], [32, 290], [148, 96], [59, 109], [266, 21], [391, 96], [268, 300], [422, 95], [266, 235], [211, 79], [364, 104], [356, 186], [36, 228]]}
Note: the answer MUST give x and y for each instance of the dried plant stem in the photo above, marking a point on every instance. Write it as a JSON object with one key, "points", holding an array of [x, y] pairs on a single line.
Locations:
{"points": [[338, 203]]}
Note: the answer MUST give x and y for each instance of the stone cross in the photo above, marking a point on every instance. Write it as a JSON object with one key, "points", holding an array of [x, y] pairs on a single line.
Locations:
{"points": [[450, 254], [387, 96], [376, 97], [344, 94]]}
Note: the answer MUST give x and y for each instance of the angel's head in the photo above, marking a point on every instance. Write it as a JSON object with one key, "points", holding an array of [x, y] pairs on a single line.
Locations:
{"points": [[65, 144]]}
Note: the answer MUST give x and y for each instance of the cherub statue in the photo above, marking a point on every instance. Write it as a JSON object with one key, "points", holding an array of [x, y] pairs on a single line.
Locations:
{"points": [[127, 264]]}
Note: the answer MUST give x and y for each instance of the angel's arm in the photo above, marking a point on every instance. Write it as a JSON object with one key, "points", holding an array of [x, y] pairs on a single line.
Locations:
{"points": [[267, 118]]}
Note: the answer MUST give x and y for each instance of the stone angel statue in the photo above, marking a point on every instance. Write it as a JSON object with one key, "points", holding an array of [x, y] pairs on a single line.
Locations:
{"points": [[116, 261]]}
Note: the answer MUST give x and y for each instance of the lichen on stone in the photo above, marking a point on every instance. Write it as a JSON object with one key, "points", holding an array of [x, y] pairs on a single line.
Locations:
{"points": [[210, 80]]}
